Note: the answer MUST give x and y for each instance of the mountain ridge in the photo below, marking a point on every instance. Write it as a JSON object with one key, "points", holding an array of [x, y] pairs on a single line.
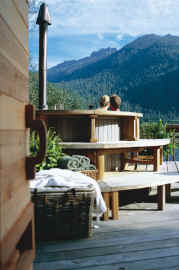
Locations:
{"points": [[68, 67], [136, 73]]}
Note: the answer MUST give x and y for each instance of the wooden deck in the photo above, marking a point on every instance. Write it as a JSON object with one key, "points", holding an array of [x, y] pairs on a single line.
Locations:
{"points": [[142, 239]]}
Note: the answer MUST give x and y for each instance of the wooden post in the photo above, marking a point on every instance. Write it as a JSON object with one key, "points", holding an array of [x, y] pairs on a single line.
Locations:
{"points": [[156, 159], [106, 199], [174, 141], [115, 205], [137, 126], [100, 165], [93, 126], [161, 197]]}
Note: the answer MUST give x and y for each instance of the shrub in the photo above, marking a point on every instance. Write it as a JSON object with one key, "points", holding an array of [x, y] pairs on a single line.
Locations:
{"points": [[53, 150], [157, 130]]}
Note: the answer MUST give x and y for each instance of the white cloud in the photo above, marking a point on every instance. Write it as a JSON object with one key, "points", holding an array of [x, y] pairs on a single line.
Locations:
{"points": [[119, 36], [100, 36], [53, 62], [124, 16], [82, 26]]}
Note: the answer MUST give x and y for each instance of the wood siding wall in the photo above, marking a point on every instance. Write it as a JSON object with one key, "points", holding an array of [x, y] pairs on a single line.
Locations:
{"points": [[14, 189], [107, 130]]}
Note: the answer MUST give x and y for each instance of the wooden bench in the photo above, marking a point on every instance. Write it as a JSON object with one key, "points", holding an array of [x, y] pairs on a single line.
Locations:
{"points": [[130, 180]]}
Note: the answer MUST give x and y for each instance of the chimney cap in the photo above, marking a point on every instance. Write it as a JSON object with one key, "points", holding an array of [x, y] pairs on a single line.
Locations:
{"points": [[43, 16]]}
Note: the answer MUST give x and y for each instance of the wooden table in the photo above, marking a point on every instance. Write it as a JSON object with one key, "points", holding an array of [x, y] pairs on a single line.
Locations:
{"points": [[98, 150]]}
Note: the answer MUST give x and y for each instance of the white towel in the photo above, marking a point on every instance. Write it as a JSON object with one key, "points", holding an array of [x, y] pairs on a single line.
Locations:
{"points": [[55, 179]]}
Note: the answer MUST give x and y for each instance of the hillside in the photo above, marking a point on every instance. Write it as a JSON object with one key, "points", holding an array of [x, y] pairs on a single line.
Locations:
{"points": [[144, 73], [57, 73]]}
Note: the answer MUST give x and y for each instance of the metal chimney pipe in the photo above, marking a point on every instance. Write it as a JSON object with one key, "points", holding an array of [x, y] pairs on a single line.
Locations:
{"points": [[43, 20]]}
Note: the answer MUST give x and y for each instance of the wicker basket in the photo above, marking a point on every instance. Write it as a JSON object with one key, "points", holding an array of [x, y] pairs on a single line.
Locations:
{"points": [[63, 214], [90, 173]]}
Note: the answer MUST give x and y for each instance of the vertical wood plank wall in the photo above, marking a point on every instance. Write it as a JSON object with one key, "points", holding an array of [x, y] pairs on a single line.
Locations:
{"points": [[14, 190], [108, 130]]}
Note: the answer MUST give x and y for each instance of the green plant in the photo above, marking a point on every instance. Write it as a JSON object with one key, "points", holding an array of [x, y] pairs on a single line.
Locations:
{"points": [[157, 130], [53, 150]]}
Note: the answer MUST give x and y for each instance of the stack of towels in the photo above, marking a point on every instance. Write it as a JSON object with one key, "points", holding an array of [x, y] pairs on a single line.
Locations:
{"points": [[76, 163]]}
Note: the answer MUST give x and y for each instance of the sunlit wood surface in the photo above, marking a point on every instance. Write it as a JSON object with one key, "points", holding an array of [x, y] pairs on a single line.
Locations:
{"points": [[143, 238]]}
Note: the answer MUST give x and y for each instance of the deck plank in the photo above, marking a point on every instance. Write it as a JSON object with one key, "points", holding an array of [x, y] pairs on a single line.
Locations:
{"points": [[110, 248], [108, 259], [171, 263]]}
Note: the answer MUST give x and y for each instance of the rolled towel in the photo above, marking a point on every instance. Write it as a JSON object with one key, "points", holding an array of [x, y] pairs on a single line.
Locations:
{"points": [[84, 161], [74, 164], [92, 167], [64, 161]]}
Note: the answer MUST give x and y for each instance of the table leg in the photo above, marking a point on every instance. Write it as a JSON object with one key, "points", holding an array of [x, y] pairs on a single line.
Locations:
{"points": [[161, 155], [115, 205], [161, 197], [156, 159], [106, 199], [100, 165]]}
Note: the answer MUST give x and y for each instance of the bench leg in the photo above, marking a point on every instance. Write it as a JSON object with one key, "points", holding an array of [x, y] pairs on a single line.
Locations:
{"points": [[161, 197], [115, 205], [106, 199], [168, 191]]}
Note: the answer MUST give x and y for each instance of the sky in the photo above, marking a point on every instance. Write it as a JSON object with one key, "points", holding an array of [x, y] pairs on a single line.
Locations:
{"points": [[80, 27]]}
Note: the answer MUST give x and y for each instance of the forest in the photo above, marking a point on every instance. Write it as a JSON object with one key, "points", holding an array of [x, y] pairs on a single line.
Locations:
{"points": [[144, 73]]}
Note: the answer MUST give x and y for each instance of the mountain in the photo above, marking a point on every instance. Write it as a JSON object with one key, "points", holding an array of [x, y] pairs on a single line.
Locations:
{"points": [[145, 73], [57, 73]]}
